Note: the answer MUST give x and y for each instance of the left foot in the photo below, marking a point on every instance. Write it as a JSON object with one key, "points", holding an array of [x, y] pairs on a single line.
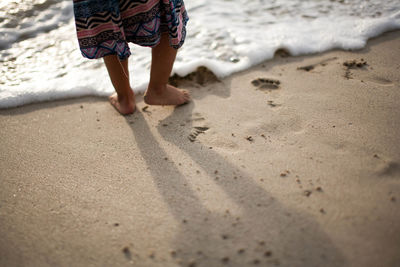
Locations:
{"points": [[169, 95], [125, 106]]}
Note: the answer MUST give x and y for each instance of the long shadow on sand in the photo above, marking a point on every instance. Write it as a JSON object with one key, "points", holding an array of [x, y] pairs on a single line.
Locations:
{"points": [[266, 233]]}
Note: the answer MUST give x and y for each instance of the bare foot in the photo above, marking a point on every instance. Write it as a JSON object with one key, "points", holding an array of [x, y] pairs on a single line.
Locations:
{"points": [[169, 95], [125, 106]]}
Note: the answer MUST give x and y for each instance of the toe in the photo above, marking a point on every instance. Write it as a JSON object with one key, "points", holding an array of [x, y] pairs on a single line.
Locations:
{"points": [[187, 97], [114, 102], [113, 97]]}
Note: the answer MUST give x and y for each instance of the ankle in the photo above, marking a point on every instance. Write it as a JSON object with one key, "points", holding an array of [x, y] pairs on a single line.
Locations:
{"points": [[126, 95], [157, 89]]}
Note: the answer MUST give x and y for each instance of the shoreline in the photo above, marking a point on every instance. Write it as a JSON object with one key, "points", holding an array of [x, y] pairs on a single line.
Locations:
{"points": [[294, 162], [279, 53]]}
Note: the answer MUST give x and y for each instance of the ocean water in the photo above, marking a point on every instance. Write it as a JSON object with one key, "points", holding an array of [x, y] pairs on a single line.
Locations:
{"points": [[40, 59]]}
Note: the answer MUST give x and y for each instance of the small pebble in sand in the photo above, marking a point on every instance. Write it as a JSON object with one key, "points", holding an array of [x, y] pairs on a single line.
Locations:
{"points": [[184, 221], [217, 178], [241, 251], [225, 259], [262, 180], [173, 253], [235, 177], [81, 106], [268, 253], [233, 134], [261, 243], [116, 224], [197, 171], [307, 193], [322, 211], [97, 119], [216, 172], [256, 261], [298, 181], [224, 237], [164, 125], [127, 252], [283, 174], [165, 158], [319, 189], [393, 199], [376, 156], [249, 138], [152, 255]]}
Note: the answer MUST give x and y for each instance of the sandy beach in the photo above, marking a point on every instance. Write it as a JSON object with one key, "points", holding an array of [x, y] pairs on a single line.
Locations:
{"points": [[295, 162]]}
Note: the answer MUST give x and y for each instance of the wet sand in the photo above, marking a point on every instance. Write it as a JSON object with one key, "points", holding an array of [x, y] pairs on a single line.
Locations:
{"points": [[295, 162]]}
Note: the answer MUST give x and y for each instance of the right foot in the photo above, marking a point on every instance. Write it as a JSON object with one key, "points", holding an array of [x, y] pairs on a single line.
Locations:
{"points": [[169, 95], [125, 106]]}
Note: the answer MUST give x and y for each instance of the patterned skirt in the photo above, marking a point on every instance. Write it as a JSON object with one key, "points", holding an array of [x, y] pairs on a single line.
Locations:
{"points": [[104, 27]]}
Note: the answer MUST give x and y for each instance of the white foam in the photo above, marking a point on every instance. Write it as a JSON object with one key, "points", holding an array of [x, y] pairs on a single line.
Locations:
{"points": [[41, 60], [29, 20]]}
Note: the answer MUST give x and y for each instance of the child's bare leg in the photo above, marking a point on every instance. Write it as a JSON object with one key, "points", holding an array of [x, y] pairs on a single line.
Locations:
{"points": [[159, 92], [124, 99]]}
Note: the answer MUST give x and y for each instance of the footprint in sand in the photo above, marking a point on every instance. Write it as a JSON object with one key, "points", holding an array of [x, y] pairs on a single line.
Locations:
{"points": [[357, 69], [354, 64], [266, 84], [196, 131], [202, 76]]}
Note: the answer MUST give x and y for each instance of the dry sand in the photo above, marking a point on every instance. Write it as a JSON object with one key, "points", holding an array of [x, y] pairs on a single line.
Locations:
{"points": [[300, 172]]}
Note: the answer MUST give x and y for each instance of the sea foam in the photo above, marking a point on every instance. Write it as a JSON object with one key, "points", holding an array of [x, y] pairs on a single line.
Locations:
{"points": [[40, 58]]}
